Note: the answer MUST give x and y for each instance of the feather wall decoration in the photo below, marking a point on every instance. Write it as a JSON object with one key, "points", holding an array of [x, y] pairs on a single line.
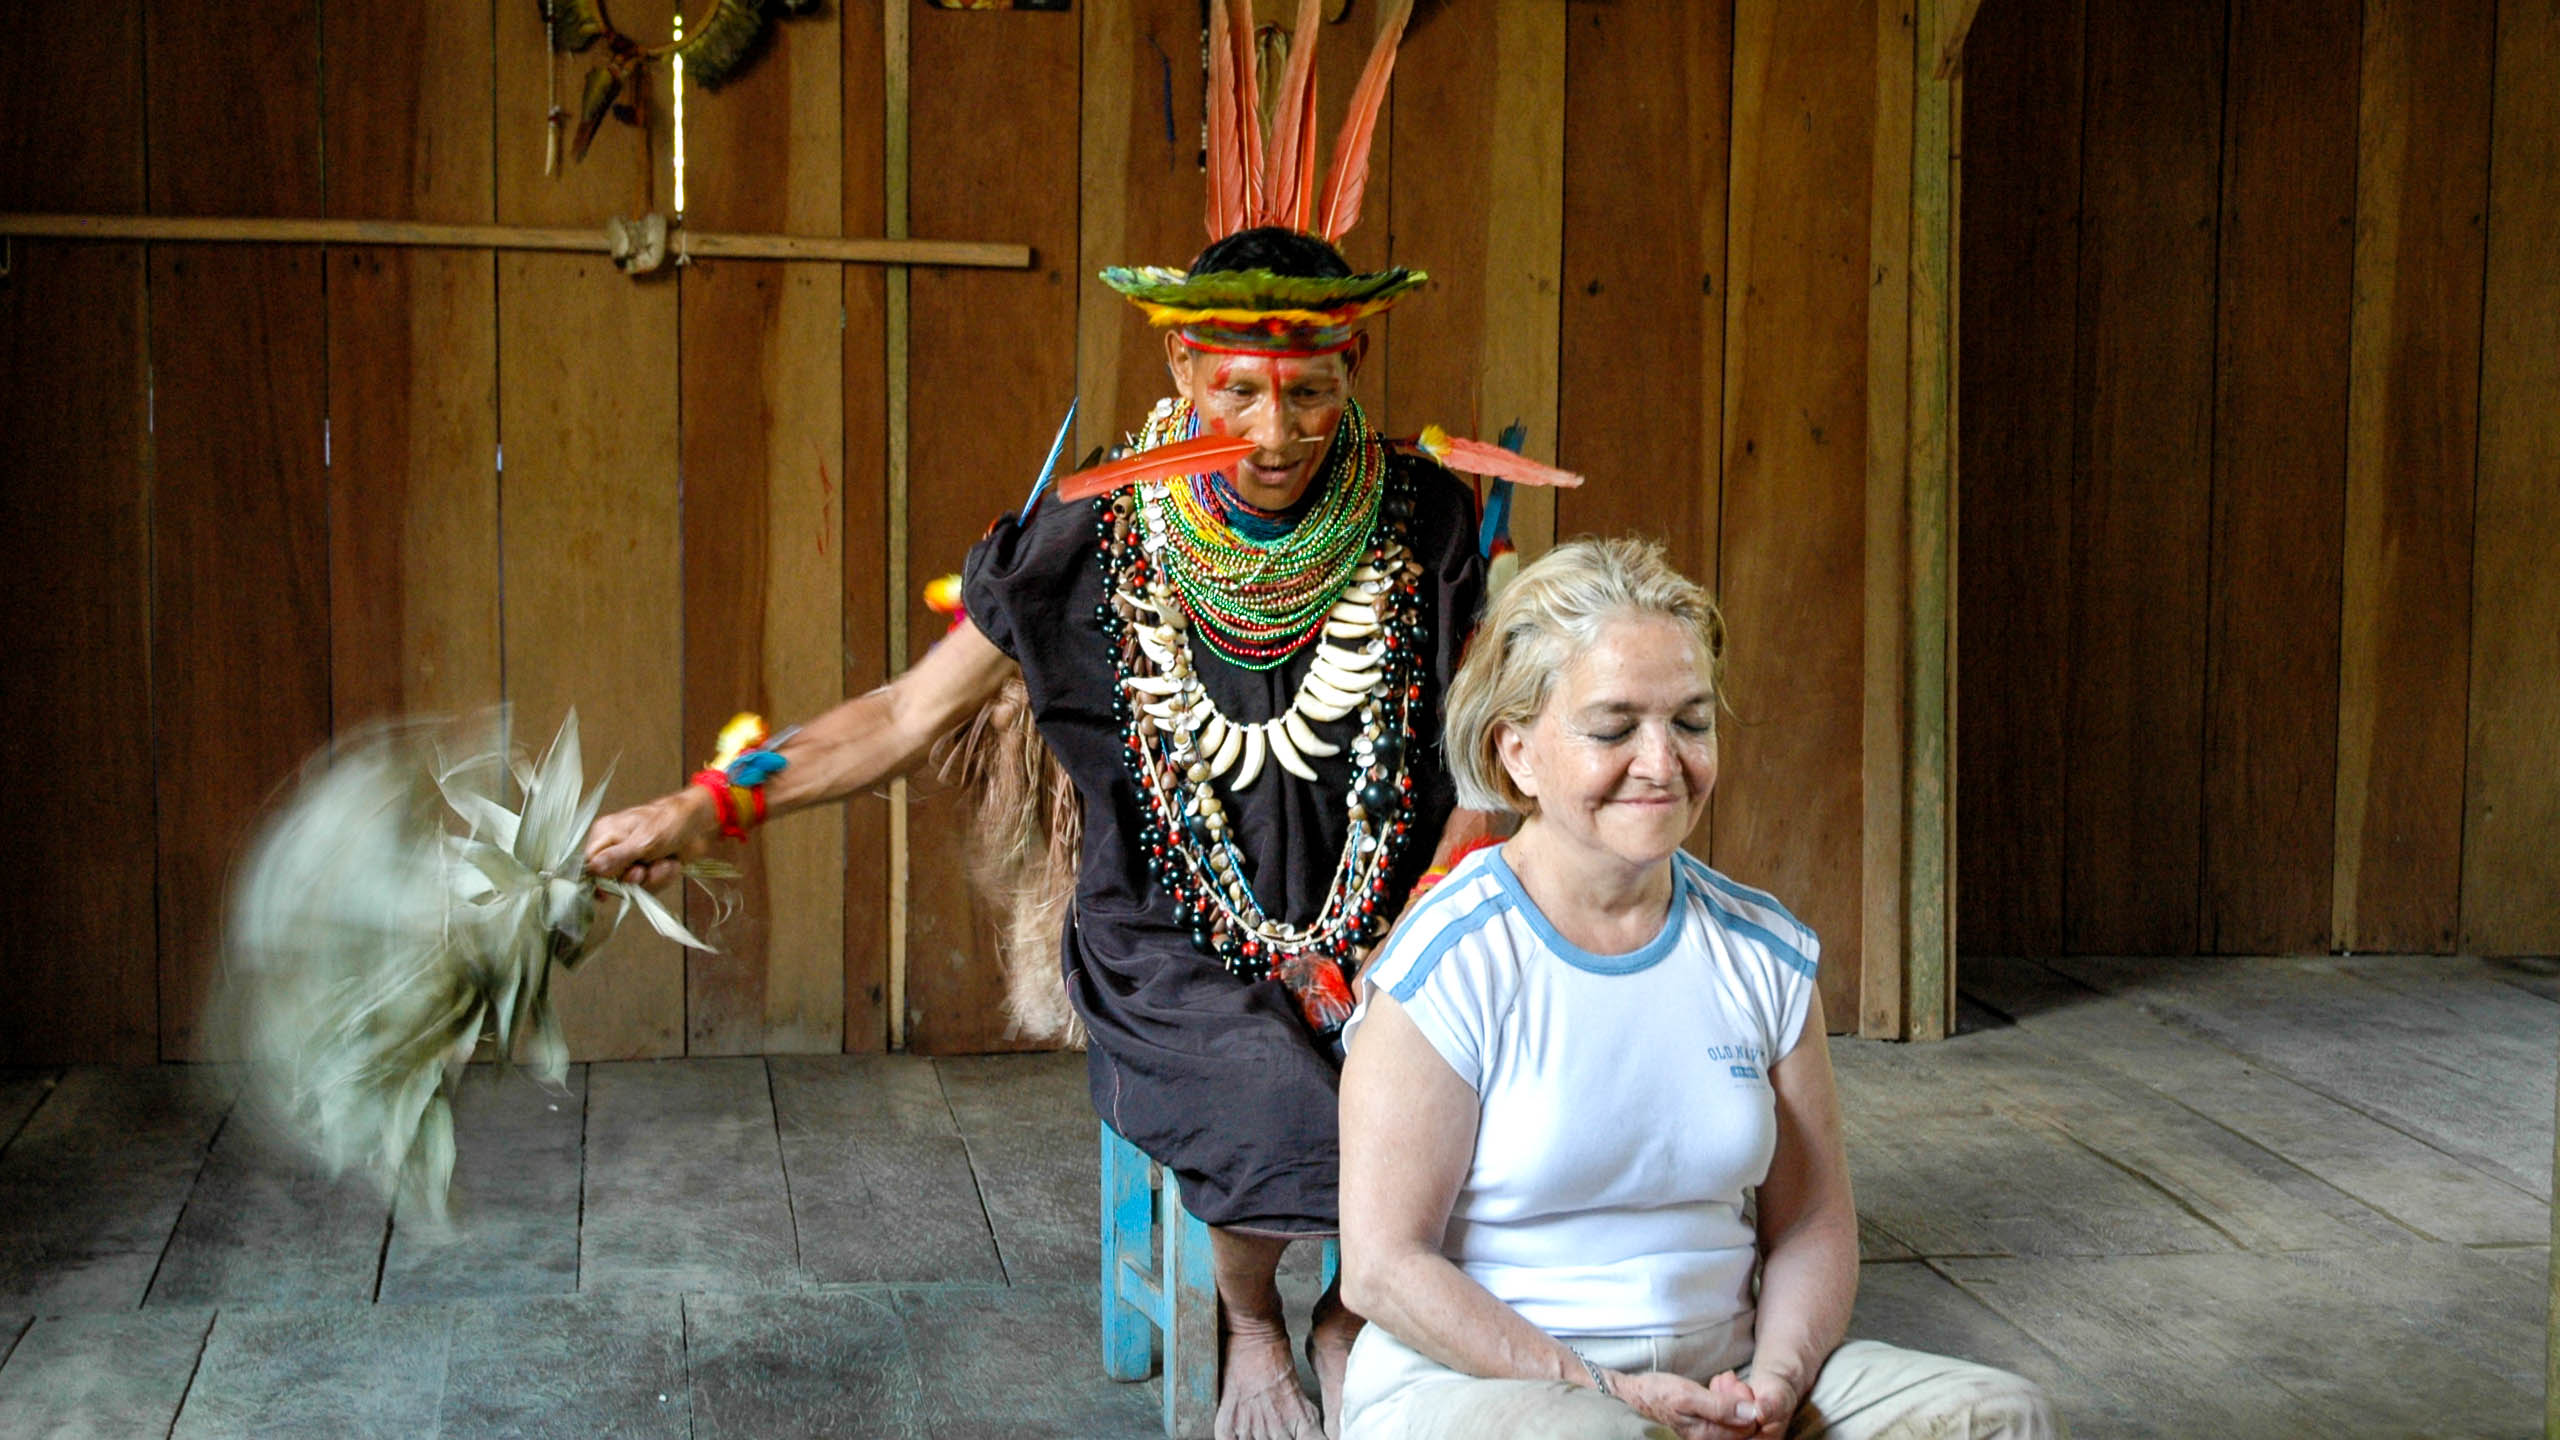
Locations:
{"points": [[716, 44], [409, 898]]}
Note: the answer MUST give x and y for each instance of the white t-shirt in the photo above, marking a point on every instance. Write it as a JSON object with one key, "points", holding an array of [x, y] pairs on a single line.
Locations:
{"points": [[1625, 1099]]}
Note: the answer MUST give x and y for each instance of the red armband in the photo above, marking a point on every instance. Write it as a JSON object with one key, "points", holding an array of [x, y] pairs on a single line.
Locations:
{"points": [[724, 802]]}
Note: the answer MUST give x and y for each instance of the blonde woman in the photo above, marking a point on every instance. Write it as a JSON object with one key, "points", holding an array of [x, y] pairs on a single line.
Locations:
{"points": [[1577, 1054]]}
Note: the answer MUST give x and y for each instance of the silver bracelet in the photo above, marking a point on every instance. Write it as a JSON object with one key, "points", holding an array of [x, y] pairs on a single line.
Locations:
{"points": [[1599, 1377]]}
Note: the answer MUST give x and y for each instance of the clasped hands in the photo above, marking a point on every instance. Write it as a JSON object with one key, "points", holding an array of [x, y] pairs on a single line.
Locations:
{"points": [[1727, 1407]]}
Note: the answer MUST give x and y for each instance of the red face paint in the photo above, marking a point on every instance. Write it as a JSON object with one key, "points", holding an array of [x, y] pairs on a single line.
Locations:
{"points": [[1288, 405]]}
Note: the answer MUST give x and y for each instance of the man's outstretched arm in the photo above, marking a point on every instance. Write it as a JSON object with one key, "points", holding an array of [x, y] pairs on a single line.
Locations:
{"points": [[867, 739]]}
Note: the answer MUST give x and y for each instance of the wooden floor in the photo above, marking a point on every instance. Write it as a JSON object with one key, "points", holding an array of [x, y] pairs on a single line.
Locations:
{"points": [[2272, 1198]]}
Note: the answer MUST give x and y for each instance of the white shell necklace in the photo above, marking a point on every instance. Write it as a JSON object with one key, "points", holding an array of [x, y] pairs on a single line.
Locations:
{"points": [[1345, 672]]}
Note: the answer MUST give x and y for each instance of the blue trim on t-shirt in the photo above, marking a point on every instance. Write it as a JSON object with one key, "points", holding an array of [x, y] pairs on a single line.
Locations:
{"points": [[1744, 893], [1628, 963], [1786, 952], [1450, 934]]}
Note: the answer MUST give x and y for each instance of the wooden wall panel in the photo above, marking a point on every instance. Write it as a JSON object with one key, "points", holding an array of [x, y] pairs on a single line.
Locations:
{"points": [[1789, 810], [2143, 416], [408, 96], [763, 398], [413, 358], [240, 565], [626, 172], [75, 580], [763, 445], [240, 653], [2422, 196], [71, 108], [234, 122], [2019, 286], [865, 574], [2279, 476], [1141, 198], [1477, 348], [1910, 290], [1640, 387], [1640, 371], [75, 557], [593, 572], [2512, 820], [413, 483], [992, 364]]}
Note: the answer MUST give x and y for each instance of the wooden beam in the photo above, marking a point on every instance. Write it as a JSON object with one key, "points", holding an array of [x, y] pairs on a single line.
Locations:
{"points": [[1957, 23], [2513, 805], [2413, 424], [1880, 978], [896, 250], [894, 47], [1929, 694]]}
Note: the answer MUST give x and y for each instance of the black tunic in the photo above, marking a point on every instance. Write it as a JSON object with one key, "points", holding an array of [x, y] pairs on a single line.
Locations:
{"points": [[1217, 1079]]}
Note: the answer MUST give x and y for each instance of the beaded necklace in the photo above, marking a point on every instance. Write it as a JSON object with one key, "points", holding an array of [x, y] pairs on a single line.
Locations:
{"points": [[1177, 747], [1258, 601]]}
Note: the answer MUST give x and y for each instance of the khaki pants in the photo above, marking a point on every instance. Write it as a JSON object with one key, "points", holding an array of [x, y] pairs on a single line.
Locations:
{"points": [[1866, 1391]]}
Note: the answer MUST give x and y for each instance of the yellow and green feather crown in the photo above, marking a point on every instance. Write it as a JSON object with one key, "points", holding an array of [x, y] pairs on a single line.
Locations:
{"points": [[1259, 297]]}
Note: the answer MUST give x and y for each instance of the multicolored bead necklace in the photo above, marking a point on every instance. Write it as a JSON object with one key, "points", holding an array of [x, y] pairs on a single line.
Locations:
{"points": [[1178, 747], [1258, 600]]}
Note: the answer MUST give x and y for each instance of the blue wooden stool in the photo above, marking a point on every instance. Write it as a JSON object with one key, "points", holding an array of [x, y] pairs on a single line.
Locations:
{"points": [[1159, 1292]]}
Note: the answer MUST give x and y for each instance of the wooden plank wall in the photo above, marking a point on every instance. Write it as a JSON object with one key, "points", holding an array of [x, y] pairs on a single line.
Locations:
{"points": [[75, 546], [2206, 381], [1791, 573], [2234, 636], [992, 367]]}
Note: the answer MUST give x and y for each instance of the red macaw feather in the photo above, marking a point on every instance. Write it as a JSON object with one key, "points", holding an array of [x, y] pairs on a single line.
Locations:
{"points": [[1289, 181], [1350, 174], [1475, 457], [1227, 182], [1316, 983], [1247, 70], [1187, 457]]}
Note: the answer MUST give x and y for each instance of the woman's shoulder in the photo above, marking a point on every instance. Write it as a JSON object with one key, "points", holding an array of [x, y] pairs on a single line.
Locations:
{"points": [[1757, 921], [1443, 935]]}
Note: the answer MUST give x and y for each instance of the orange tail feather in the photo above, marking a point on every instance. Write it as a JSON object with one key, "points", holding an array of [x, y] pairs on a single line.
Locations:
{"points": [[1350, 174], [1188, 457], [1289, 181], [1475, 457]]}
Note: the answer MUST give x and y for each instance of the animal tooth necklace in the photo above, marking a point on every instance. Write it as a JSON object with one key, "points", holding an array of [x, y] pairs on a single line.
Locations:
{"points": [[1178, 747]]}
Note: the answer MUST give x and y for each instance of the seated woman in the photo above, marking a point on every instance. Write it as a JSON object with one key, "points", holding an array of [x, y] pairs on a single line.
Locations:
{"points": [[1574, 1058]]}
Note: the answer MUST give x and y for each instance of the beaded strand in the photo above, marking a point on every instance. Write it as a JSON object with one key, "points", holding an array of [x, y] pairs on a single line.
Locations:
{"points": [[1185, 841], [1257, 602]]}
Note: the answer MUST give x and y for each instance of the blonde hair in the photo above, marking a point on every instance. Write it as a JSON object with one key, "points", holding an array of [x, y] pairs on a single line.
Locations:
{"points": [[1551, 611]]}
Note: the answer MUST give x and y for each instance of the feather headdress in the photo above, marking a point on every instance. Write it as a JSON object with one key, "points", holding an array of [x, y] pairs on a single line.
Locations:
{"points": [[1261, 179], [1256, 180]]}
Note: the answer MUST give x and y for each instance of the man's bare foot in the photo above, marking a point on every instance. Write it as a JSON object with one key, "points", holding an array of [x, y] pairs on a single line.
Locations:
{"points": [[1258, 1397], [1329, 1340]]}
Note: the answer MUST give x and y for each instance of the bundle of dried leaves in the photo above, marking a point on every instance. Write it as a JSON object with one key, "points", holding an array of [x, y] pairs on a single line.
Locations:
{"points": [[407, 902]]}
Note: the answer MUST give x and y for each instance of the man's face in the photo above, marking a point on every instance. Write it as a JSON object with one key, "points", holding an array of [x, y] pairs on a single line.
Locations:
{"points": [[1287, 405]]}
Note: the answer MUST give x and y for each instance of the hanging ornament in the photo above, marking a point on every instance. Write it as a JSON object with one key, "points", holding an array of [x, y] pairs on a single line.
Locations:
{"points": [[707, 53]]}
